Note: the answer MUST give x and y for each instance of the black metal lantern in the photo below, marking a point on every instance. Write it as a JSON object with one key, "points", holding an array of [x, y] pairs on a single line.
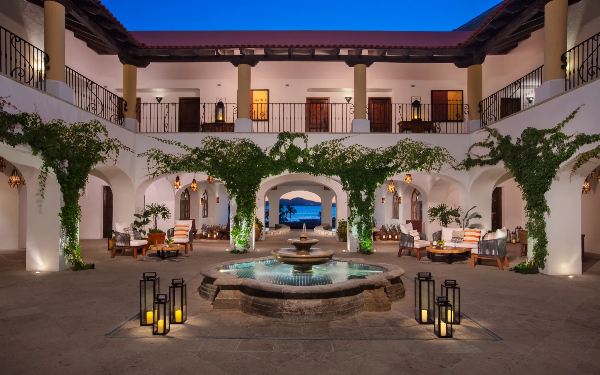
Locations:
{"points": [[220, 112], [424, 298], [162, 321], [149, 289], [178, 297], [451, 291], [442, 326], [415, 112]]}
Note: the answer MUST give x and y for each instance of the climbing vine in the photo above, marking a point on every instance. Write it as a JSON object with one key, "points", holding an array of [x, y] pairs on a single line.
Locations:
{"points": [[242, 166], [70, 152], [534, 160]]}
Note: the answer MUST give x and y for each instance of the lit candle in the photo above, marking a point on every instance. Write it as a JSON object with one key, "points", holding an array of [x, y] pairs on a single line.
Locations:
{"points": [[161, 326], [423, 315], [450, 315], [442, 328], [149, 317], [178, 316]]}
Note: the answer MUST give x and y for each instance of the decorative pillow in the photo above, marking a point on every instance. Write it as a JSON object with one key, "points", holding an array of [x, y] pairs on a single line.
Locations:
{"points": [[490, 236], [120, 227], [472, 235], [447, 234], [181, 231], [501, 233], [406, 228], [415, 234]]}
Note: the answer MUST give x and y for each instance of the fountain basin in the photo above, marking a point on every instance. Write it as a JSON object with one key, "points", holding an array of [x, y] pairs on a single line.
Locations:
{"points": [[302, 243], [335, 290], [302, 260]]}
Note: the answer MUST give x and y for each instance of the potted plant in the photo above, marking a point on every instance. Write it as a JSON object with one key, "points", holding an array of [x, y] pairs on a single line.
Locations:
{"points": [[342, 231], [156, 210], [468, 216], [444, 215], [258, 228], [140, 222]]}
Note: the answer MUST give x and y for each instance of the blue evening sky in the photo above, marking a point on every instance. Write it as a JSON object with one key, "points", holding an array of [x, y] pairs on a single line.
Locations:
{"points": [[396, 15]]}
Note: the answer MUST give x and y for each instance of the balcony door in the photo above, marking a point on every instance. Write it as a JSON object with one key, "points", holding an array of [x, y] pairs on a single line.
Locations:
{"points": [[380, 115], [107, 212], [189, 114], [317, 115]]}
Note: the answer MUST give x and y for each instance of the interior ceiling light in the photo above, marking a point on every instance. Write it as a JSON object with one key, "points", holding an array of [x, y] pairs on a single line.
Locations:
{"points": [[408, 178], [194, 185], [210, 179], [177, 183], [15, 179], [391, 187]]}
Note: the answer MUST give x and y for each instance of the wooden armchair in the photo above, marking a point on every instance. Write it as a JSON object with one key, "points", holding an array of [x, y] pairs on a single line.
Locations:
{"points": [[124, 242], [490, 249], [407, 242], [185, 241]]}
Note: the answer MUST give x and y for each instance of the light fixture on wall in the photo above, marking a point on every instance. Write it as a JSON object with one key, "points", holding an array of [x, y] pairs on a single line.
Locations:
{"points": [[194, 185], [201, 201], [391, 187], [217, 199], [529, 99], [159, 99], [210, 179], [348, 98], [415, 114], [586, 187], [382, 200], [408, 178], [2, 165], [14, 180], [399, 200], [177, 183]]}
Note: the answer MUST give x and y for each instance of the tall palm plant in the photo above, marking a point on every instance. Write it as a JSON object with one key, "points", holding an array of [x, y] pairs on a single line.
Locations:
{"points": [[290, 211]]}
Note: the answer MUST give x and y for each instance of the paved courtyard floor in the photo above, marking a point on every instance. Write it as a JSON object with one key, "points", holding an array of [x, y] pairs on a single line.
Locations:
{"points": [[83, 322]]}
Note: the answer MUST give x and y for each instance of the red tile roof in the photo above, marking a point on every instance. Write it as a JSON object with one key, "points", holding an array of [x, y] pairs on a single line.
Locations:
{"points": [[301, 39]]}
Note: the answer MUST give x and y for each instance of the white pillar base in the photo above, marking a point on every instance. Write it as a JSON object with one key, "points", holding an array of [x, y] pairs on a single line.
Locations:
{"points": [[473, 126], [360, 125], [549, 89], [130, 124], [59, 89], [353, 242], [243, 125]]}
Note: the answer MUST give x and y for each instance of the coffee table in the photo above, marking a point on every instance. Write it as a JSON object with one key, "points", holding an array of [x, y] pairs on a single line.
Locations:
{"points": [[162, 248], [446, 250]]}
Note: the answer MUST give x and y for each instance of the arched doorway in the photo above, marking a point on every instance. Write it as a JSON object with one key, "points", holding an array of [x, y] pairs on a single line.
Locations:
{"points": [[184, 205], [416, 210], [204, 204]]}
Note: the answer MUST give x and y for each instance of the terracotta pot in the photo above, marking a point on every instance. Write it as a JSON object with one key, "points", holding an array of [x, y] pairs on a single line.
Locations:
{"points": [[156, 238]]}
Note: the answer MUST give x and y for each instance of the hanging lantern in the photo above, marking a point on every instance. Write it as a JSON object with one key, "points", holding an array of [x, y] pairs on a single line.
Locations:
{"points": [[210, 179], [178, 297], [217, 199], [442, 326], [586, 187], [149, 289], [591, 174], [162, 322], [14, 180], [391, 187], [451, 291], [415, 114], [2, 165], [408, 179], [220, 112], [424, 298], [194, 185], [177, 183]]}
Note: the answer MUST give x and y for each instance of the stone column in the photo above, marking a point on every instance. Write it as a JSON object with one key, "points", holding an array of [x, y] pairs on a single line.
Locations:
{"points": [[326, 207], [474, 96], [555, 44], [360, 124], [54, 46], [243, 123], [130, 96], [273, 197]]}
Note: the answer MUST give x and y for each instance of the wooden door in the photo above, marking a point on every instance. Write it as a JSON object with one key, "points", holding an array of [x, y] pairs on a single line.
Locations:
{"points": [[497, 208], [107, 212], [189, 114], [508, 106], [380, 115], [439, 105], [317, 115], [184, 205]]}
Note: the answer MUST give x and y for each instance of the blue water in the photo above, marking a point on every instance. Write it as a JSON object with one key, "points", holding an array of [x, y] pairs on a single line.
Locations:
{"points": [[307, 213]]}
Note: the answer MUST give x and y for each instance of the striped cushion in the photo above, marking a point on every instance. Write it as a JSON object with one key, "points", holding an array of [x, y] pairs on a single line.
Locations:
{"points": [[181, 231], [472, 235]]}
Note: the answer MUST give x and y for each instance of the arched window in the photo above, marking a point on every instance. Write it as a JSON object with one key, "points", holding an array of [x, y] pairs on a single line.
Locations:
{"points": [[205, 204], [416, 206], [184, 205], [395, 206]]}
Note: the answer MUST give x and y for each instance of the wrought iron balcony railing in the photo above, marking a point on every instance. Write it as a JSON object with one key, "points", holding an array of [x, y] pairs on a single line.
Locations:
{"points": [[22, 61], [430, 118], [582, 62], [511, 99], [92, 97], [185, 117], [302, 117]]}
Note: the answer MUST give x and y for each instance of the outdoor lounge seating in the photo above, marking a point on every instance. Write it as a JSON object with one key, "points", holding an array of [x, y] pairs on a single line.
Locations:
{"points": [[185, 240], [408, 242], [490, 249], [446, 235], [124, 242]]}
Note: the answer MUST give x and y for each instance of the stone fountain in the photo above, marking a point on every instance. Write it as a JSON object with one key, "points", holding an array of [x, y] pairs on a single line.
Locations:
{"points": [[302, 256]]}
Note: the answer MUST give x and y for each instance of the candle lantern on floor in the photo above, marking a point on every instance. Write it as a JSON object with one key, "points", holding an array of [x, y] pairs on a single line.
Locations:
{"points": [[451, 291], [220, 112], [178, 298], [508, 235], [424, 298], [162, 322], [442, 326], [149, 288]]}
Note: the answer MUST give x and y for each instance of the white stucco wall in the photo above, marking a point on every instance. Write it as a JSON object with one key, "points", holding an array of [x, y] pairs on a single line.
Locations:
{"points": [[91, 204], [513, 205]]}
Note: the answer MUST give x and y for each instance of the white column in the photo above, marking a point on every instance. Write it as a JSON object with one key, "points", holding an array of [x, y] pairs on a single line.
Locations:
{"points": [[233, 210], [273, 197], [326, 207], [555, 44]]}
